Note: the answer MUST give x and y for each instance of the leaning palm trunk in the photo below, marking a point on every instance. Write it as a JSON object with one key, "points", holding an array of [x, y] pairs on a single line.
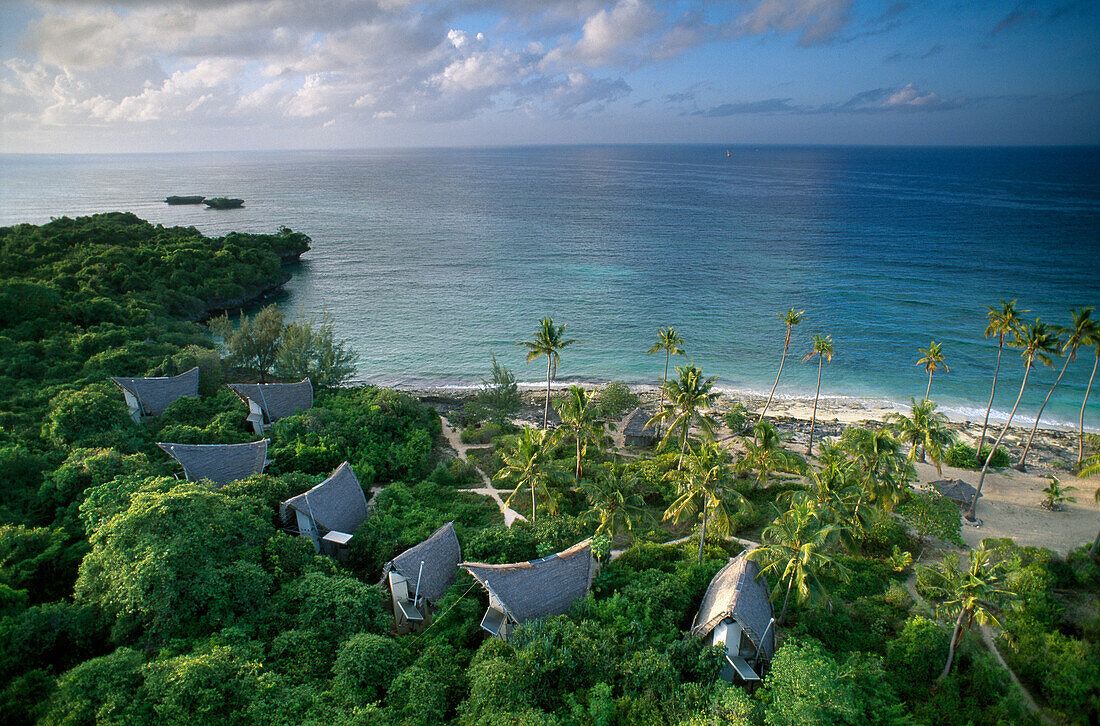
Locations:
{"points": [[546, 406], [928, 390], [985, 424], [956, 636], [534, 510], [985, 467], [786, 601], [664, 382], [703, 534], [813, 417], [786, 344], [1095, 546], [1027, 447], [1081, 422]]}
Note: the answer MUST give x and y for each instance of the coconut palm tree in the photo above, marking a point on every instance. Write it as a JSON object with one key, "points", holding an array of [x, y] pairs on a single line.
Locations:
{"points": [[1077, 335], [705, 489], [790, 319], [823, 349], [578, 421], [764, 454], [672, 344], [932, 361], [1039, 343], [970, 594], [547, 341], [527, 465], [1003, 321], [689, 397], [793, 553], [1093, 339], [614, 502], [926, 428], [884, 471]]}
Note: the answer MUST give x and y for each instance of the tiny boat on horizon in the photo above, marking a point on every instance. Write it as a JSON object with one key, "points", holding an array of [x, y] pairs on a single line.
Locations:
{"points": [[175, 199], [223, 203]]}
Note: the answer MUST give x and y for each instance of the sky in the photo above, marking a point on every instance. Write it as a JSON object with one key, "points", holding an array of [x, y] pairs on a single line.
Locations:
{"points": [[82, 76]]}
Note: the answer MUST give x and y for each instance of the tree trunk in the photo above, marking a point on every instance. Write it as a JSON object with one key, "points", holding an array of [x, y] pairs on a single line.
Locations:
{"points": [[578, 473], [956, 636], [1095, 546], [664, 382], [534, 511], [985, 424], [929, 389], [813, 417], [985, 467], [546, 406], [786, 600], [1027, 447], [683, 445], [786, 344], [703, 533], [1081, 423]]}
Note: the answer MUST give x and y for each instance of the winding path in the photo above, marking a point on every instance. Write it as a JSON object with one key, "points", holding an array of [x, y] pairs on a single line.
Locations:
{"points": [[454, 440]]}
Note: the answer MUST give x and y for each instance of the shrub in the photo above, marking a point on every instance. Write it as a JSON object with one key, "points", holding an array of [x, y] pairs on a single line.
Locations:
{"points": [[614, 400], [365, 666], [963, 456]]}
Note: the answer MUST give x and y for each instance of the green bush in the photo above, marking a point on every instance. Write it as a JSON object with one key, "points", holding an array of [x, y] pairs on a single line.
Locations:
{"points": [[365, 666], [614, 400], [963, 456]]}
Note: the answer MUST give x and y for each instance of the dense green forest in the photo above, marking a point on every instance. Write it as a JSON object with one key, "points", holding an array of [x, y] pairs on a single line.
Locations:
{"points": [[131, 596]]}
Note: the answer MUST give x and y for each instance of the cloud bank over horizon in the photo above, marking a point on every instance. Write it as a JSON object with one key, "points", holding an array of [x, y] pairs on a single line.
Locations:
{"points": [[97, 76]]}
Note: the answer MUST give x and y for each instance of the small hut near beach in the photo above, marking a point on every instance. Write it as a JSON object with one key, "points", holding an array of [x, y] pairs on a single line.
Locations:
{"points": [[146, 397], [220, 463], [736, 614], [269, 402], [329, 513], [419, 577], [523, 591], [956, 490], [635, 432]]}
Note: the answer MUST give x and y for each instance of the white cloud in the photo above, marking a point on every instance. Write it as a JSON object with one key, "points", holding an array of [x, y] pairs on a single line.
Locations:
{"points": [[817, 20]]}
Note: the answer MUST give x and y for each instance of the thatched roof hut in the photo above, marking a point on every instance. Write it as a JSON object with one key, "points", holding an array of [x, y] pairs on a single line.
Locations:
{"points": [[269, 402], [220, 463], [523, 591], [635, 432], [736, 613], [956, 490], [150, 396], [419, 576], [336, 505]]}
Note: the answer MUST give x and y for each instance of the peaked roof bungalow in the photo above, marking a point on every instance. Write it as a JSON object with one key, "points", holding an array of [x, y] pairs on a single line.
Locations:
{"points": [[220, 463], [269, 402], [329, 513], [147, 397], [736, 613], [419, 577], [523, 591], [635, 432]]}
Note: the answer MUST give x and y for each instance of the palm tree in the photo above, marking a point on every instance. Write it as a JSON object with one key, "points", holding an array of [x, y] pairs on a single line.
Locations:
{"points": [[926, 428], [706, 490], [547, 342], [1077, 335], [971, 594], [527, 464], [884, 471], [1039, 343], [1092, 339], [578, 420], [615, 503], [792, 552], [764, 453], [823, 349], [689, 397], [790, 319], [932, 360], [672, 344], [1002, 321]]}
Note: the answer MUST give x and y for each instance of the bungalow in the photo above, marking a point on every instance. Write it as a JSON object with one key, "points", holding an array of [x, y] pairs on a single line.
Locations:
{"points": [[635, 432], [524, 591], [736, 614], [419, 577], [147, 397], [329, 513], [269, 402], [220, 463]]}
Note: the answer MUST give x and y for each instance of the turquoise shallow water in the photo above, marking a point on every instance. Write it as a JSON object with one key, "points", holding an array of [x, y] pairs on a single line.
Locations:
{"points": [[431, 259]]}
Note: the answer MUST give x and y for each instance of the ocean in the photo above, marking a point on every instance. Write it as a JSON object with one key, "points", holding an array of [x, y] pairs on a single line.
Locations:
{"points": [[430, 260]]}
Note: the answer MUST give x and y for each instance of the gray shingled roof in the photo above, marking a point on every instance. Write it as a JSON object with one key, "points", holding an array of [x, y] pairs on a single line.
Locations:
{"points": [[336, 504], [955, 489], [737, 591], [155, 394], [539, 588], [220, 463], [440, 554], [635, 425], [277, 400]]}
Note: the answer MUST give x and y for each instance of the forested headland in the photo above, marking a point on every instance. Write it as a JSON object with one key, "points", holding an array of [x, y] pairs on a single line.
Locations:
{"points": [[129, 595]]}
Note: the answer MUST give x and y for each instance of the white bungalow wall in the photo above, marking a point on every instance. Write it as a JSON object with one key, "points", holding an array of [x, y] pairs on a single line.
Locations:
{"points": [[133, 404], [306, 529], [255, 416]]}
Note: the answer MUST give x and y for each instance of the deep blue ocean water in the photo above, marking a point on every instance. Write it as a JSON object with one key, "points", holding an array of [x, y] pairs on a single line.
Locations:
{"points": [[431, 259]]}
